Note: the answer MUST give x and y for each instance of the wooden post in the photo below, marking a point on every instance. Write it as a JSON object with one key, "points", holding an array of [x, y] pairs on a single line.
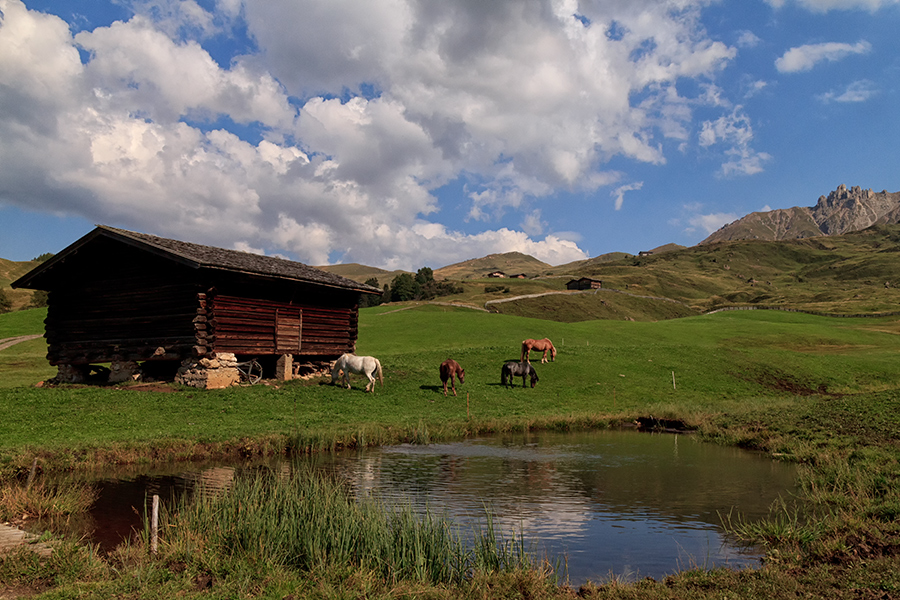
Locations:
{"points": [[673, 380], [154, 526], [284, 367], [31, 474]]}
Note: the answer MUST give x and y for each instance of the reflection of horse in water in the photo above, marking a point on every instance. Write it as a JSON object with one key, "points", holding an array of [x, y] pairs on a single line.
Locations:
{"points": [[364, 365], [544, 345], [449, 368], [517, 369]]}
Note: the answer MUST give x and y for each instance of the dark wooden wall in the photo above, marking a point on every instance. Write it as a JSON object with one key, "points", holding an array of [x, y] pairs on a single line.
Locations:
{"points": [[126, 319], [114, 302], [247, 326]]}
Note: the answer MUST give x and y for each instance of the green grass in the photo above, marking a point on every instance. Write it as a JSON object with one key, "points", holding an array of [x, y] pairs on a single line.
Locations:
{"points": [[821, 392], [22, 322], [605, 371]]}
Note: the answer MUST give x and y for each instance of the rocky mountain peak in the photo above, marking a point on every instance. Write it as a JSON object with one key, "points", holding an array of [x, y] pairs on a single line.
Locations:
{"points": [[841, 211]]}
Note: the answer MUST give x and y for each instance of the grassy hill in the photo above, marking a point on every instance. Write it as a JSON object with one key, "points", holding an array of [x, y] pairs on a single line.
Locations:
{"points": [[511, 263], [362, 273], [848, 274], [11, 270], [855, 273]]}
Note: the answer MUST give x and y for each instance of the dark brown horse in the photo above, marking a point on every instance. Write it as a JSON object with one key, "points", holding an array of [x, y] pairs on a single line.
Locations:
{"points": [[449, 368], [517, 369], [544, 344]]}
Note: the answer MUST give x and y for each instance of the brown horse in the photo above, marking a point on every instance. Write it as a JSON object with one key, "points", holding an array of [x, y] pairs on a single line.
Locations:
{"points": [[449, 368], [544, 344]]}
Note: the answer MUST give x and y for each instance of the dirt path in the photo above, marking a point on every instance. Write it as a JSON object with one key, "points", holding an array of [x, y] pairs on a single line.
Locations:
{"points": [[7, 342]]}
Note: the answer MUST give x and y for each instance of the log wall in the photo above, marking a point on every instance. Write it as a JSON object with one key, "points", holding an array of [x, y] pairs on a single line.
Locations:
{"points": [[111, 302], [248, 326], [129, 319]]}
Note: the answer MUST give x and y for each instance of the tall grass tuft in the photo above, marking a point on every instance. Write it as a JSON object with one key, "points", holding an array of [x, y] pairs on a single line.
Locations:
{"points": [[44, 501], [307, 523], [785, 527]]}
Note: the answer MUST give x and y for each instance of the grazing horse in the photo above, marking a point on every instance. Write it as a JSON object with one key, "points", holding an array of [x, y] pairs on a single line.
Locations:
{"points": [[364, 365], [516, 369], [544, 344], [449, 368]]}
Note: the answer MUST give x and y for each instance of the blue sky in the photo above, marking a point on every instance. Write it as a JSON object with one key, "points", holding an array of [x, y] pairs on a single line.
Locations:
{"points": [[410, 133]]}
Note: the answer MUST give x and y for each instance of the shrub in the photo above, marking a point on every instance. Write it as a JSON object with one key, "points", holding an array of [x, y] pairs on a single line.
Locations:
{"points": [[5, 302]]}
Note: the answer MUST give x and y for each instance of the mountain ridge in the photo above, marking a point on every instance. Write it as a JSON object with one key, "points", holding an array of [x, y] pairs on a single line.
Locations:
{"points": [[841, 211]]}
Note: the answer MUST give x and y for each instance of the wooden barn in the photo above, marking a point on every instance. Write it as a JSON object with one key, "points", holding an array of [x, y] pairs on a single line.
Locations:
{"points": [[151, 306], [584, 283]]}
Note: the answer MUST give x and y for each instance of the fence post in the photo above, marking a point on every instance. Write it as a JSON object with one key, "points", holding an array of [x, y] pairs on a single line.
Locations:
{"points": [[154, 526]]}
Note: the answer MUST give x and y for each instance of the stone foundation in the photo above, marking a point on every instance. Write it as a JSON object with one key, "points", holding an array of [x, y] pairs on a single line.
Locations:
{"points": [[121, 371], [69, 374], [209, 373]]}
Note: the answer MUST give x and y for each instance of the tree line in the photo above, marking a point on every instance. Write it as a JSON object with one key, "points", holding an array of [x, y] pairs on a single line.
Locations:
{"points": [[407, 286]]}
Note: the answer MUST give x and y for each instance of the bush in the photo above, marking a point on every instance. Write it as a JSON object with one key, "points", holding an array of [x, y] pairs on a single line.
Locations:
{"points": [[38, 299], [5, 302]]}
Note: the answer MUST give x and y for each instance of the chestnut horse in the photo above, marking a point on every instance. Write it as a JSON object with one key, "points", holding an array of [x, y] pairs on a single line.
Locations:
{"points": [[544, 344], [449, 368]]}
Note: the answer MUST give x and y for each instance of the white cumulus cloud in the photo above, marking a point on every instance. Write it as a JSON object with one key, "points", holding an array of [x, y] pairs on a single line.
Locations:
{"points": [[804, 58], [858, 91], [711, 222], [735, 132], [619, 192], [330, 135]]}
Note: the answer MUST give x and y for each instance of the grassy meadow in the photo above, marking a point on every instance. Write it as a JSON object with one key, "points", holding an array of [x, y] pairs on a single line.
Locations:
{"points": [[822, 392]]}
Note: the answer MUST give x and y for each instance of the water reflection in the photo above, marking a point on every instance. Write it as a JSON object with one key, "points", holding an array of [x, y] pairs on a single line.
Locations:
{"points": [[607, 502]]}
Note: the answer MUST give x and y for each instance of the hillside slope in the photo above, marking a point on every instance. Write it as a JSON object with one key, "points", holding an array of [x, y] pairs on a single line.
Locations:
{"points": [[362, 273], [842, 211], [510, 263], [852, 273], [11, 270]]}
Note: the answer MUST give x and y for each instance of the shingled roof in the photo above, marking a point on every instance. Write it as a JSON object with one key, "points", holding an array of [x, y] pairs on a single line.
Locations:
{"points": [[197, 256]]}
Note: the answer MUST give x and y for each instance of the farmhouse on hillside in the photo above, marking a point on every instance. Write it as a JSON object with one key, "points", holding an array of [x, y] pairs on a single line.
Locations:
{"points": [[159, 308], [585, 283]]}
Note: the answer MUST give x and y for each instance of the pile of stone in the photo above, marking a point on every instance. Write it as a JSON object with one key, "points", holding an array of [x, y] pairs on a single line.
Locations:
{"points": [[209, 373]]}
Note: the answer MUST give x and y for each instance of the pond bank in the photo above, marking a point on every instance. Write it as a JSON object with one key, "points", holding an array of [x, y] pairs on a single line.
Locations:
{"points": [[850, 549]]}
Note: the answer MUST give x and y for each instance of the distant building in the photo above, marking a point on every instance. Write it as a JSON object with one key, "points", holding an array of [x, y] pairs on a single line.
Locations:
{"points": [[645, 253], [585, 283], [500, 274], [518, 276]]}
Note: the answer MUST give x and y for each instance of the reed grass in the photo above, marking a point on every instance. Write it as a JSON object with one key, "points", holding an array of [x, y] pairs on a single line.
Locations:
{"points": [[42, 501], [308, 523]]}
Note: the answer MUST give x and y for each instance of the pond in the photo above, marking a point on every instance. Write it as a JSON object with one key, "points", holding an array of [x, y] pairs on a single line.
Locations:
{"points": [[598, 504]]}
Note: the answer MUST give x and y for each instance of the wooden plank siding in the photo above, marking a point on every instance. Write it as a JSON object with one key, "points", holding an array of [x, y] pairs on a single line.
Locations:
{"points": [[248, 326]]}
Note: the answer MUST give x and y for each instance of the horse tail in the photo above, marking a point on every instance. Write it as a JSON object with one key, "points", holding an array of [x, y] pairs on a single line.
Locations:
{"points": [[337, 367], [378, 371], [525, 350]]}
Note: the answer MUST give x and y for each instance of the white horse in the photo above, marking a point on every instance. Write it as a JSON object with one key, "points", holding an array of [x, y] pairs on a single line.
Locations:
{"points": [[364, 365]]}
